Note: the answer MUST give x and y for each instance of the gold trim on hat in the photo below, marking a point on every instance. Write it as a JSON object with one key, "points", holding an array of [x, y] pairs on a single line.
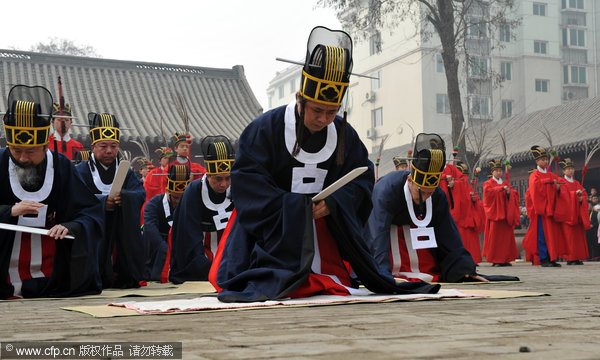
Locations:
{"points": [[216, 167], [177, 186], [437, 159], [105, 133], [430, 179], [321, 86], [33, 134]]}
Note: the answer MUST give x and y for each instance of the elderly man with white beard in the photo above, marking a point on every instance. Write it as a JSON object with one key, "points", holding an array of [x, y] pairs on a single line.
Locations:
{"points": [[40, 188]]}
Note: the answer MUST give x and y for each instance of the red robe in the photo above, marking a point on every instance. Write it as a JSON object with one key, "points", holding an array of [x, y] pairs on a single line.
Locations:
{"points": [[69, 151], [467, 214], [541, 200], [155, 184], [576, 220], [454, 173], [472, 224], [408, 263], [502, 213], [196, 169]]}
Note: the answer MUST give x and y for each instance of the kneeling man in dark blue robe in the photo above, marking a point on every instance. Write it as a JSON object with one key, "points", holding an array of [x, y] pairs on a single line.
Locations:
{"points": [[280, 244], [42, 189]]}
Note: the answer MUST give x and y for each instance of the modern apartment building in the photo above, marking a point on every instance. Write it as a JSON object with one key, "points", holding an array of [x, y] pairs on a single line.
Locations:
{"points": [[549, 59]]}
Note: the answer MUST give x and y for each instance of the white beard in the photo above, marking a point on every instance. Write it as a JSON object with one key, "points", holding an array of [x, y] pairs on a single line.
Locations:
{"points": [[28, 177]]}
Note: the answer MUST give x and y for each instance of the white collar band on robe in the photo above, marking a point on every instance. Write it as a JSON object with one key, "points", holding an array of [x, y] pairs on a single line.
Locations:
{"points": [[543, 171], [290, 139], [167, 209], [43, 192], [422, 230], [499, 181], [102, 187], [66, 137], [222, 214]]}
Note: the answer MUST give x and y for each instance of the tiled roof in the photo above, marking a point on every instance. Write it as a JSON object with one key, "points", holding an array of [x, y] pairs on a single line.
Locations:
{"points": [[218, 101], [573, 127]]}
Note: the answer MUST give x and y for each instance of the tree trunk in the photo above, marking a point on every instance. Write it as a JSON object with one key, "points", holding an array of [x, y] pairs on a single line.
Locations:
{"points": [[448, 39]]}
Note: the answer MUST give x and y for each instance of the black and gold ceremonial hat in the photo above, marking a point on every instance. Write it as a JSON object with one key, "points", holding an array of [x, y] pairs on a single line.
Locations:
{"points": [[326, 72], [179, 138], [462, 167], [82, 155], [429, 160], [566, 163], [399, 161], [178, 178], [103, 127], [495, 164], [218, 154], [143, 162], [66, 110], [27, 119], [538, 152], [163, 151]]}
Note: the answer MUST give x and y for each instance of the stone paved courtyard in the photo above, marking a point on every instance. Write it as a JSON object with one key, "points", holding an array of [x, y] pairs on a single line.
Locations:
{"points": [[565, 325]]}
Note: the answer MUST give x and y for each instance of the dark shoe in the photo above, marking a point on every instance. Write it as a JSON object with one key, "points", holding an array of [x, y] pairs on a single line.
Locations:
{"points": [[555, 264], [572, 262], [546, 263], [578, 262], [506, 264]]}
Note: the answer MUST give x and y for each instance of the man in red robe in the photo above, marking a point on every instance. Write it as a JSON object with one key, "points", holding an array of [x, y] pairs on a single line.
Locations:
{"points": [[156, 180], [544, 241], [577, 219], [501, 204], [181, 146], [468, 215], [65, 144], [145, 167]]}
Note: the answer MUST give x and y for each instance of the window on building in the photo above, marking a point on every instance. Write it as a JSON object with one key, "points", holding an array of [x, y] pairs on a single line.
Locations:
{"points": [[480, 106], [377, 117], [280, 90], [576, 37], [376, 83], [541, 85], [375, 43], [506, 70], [505, 33], [477, 27], [442, 104], [507, 108], [439, 64], [478, 67], [270, 101], [292, 86], [540, 47], [578, 75], [539, 9], [573, 4]]}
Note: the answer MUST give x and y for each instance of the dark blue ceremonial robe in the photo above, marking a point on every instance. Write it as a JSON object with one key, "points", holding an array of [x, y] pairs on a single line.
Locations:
{"points": [[192, 221], [75, 265], [270, 247], [122, 253], [156, 235], [390, 208]]}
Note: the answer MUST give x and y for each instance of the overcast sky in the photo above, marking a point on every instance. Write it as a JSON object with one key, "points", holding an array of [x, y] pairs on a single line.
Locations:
{"points": [[205, 33]]}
